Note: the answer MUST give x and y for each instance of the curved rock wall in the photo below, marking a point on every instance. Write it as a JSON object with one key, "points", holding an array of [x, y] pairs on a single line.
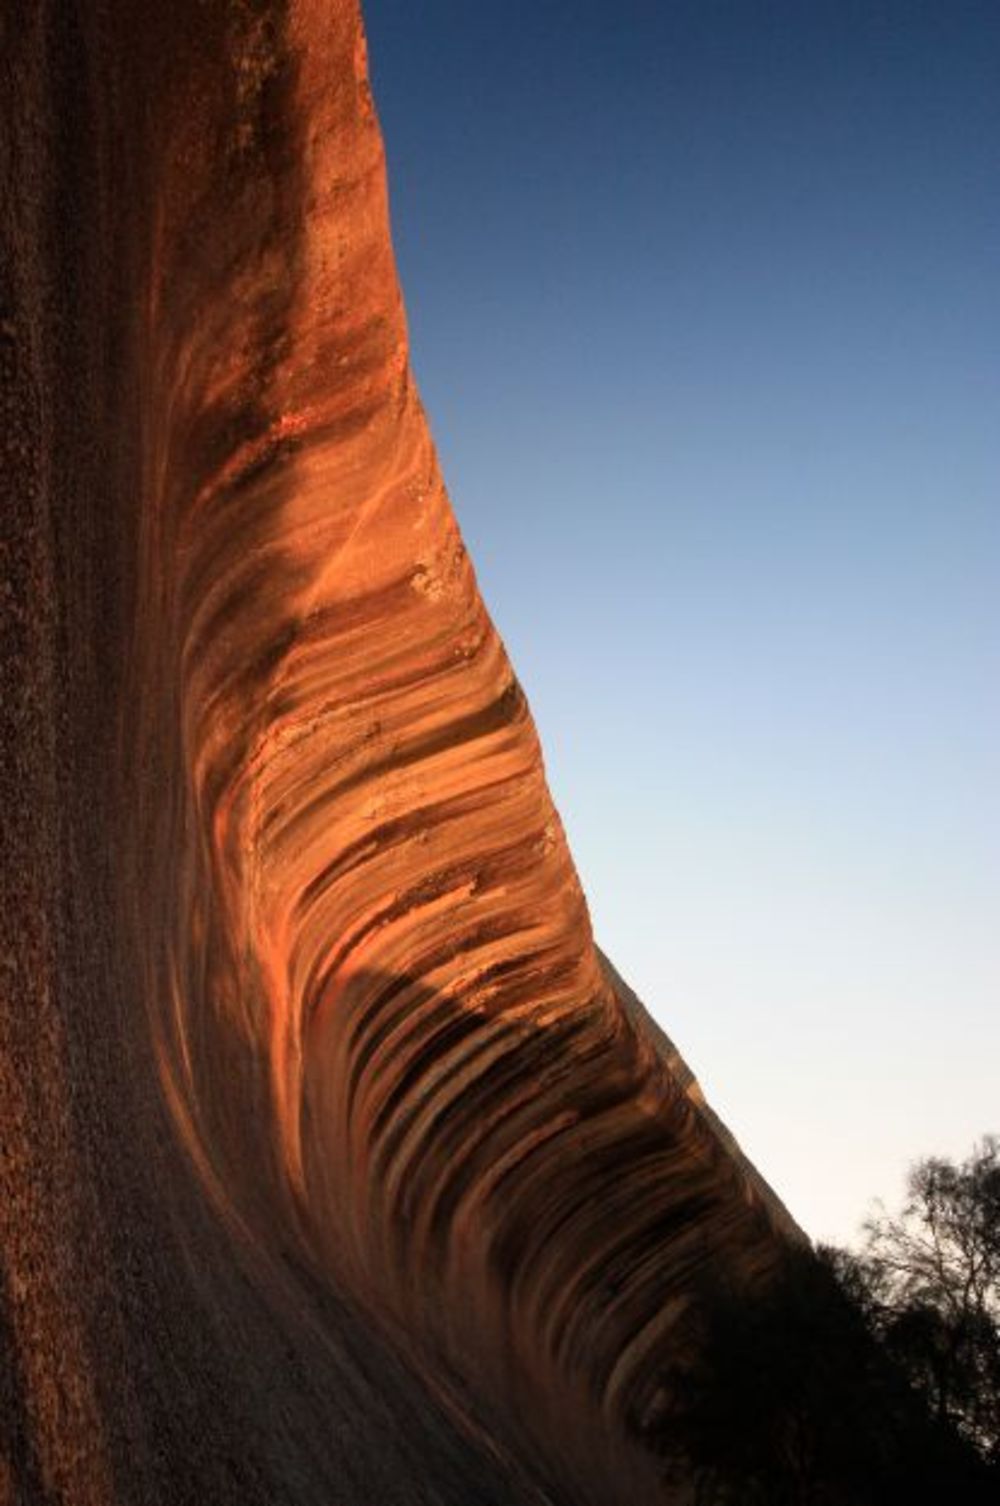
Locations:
{"points": [[327, 989]]}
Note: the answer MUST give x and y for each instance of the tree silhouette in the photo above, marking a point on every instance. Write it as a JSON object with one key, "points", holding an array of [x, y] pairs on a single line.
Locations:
{"points": [[773, 1413], [801, 1392], [933, 1290]]}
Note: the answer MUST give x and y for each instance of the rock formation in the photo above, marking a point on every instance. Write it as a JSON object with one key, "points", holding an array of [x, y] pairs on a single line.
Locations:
{"points": [[336, 1165]]}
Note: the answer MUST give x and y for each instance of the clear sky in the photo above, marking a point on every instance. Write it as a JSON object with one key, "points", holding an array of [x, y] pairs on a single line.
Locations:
{"points": [[703, 303]]}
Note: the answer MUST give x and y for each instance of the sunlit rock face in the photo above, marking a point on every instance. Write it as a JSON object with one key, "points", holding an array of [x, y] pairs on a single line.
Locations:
{"points": [[339, 1164]]}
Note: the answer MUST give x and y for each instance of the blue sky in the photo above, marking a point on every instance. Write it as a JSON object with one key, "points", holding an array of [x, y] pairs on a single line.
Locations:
{"points": [[703, 306]]}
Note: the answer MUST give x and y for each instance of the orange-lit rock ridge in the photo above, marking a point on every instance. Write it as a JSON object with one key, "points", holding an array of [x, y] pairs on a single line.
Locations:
{"points": [[350, 950]]}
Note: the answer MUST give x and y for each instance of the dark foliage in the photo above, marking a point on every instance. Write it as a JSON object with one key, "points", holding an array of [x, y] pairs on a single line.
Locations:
{"points": [[929, 1280], [854, 1380]]}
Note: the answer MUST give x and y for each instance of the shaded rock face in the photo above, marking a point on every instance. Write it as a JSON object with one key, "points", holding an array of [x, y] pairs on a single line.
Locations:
{"points": [[336, 1163]]}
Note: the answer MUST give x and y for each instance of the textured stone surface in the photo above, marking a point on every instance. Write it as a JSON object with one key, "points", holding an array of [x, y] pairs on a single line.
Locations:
{"points": [[336, 1163]]}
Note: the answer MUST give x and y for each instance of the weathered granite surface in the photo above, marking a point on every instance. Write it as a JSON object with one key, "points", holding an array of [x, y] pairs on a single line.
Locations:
{"points": [[335, 1165]]}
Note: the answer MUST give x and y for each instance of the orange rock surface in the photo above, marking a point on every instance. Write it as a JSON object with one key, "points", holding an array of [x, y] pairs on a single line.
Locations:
{"points": [[315, 1007]]}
